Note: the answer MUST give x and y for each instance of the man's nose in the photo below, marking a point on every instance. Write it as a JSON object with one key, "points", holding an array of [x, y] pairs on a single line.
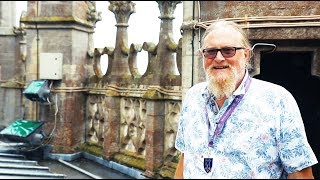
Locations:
{"points": [[219, 57]]}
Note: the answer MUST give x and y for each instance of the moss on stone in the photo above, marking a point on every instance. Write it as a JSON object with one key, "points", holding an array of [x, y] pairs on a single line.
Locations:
{"points": [[176, 158], [124, 158], [166, 172], [152, 94], [13, 84], [126, 77], [23, 58], [112, 93], [54, 19], [172, 45], [92, 149], [171, 76], [49, 18], [130, 160], [135, 72]]}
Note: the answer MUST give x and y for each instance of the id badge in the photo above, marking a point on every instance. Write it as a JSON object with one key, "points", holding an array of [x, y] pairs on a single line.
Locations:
{"points": [[207, 164]]}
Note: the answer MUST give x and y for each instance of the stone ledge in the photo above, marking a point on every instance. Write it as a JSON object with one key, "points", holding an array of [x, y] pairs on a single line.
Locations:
{"points": [[135, 173]]}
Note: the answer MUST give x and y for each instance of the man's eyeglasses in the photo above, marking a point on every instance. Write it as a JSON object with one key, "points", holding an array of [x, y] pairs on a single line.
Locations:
{"points": [[227, 52]]}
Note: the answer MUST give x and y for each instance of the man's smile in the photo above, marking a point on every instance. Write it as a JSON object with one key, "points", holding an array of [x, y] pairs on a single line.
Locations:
{"points": [[220, 67]]}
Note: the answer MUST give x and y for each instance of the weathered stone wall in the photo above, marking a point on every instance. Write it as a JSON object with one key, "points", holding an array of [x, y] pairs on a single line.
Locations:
{"points": [[140, 114], [211, 10], [60, 27], [11, 66]]}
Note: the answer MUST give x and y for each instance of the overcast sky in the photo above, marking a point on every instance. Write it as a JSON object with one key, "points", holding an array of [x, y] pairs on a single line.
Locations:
{"points": [[144, 26]]}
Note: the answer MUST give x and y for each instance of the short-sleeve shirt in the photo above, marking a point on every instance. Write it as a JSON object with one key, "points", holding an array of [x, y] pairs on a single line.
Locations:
{"points": [[263, 138]]}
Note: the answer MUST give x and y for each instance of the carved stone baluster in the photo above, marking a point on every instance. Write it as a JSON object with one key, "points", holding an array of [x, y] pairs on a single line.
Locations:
{"points": [[120, 74], [167, 47], [160, 72]]}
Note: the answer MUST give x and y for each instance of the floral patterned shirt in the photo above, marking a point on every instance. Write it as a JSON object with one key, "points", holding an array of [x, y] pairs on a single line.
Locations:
{"points": [[263, 138]]}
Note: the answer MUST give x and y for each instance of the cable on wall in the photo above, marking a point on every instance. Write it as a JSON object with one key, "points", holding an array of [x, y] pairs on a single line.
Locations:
{"points": [[192, 44], [199, 20], [270, 21]]}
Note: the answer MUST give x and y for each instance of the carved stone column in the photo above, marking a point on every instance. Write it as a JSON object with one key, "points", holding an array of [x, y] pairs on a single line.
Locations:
{"points": [[167, 47], [160, 73], [162, 70], [119, 73]]}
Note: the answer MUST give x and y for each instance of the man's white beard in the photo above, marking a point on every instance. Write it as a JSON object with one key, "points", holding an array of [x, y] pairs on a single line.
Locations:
{"points": [[222, 86]]}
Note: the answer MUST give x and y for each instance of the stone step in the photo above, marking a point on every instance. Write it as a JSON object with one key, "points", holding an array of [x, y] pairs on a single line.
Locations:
{"points": [[12, 155], [24, 169], [11, 162], [27, 177], [7, 156], [15, 165], [30, 175]]}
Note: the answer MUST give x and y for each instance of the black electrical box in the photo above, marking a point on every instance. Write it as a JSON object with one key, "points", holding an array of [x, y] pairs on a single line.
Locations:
{"points": [[37, 90]]}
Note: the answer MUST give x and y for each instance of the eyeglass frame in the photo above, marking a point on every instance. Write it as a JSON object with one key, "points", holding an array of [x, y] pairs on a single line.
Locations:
{"points": [[222, 53]]}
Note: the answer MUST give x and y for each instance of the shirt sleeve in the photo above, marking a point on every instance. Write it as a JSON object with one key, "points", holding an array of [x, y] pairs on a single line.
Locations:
{"points": [[294, 149]]}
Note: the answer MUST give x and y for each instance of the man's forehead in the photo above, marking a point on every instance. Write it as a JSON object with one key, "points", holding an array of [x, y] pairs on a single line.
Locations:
{"points": [[226, 29], [224, 32]]}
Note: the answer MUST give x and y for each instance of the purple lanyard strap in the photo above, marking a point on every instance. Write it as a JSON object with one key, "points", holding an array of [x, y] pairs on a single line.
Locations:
{"points": [[228, 112]]}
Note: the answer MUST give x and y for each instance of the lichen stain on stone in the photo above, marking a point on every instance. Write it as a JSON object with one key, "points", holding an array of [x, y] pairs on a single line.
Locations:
{"points": [[130, 160], [152, 94], [92, 149], [112, 93]]}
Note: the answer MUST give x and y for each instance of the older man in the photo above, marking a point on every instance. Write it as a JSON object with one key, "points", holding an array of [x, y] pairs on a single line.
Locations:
{"points": [[234, 126]]}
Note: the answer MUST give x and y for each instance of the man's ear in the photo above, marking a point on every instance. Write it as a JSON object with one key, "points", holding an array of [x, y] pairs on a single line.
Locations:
{"points": [[247, 54]]}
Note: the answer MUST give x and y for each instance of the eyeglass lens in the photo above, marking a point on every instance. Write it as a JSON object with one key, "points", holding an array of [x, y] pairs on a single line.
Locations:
{"points": [[226, 52]]}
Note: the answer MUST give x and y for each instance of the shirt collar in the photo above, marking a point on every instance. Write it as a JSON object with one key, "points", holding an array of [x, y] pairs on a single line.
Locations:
{"points": [[241, 89]]}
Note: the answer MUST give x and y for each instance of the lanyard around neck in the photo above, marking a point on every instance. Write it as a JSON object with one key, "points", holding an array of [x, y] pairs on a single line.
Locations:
{"points": [[228, 112]]}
